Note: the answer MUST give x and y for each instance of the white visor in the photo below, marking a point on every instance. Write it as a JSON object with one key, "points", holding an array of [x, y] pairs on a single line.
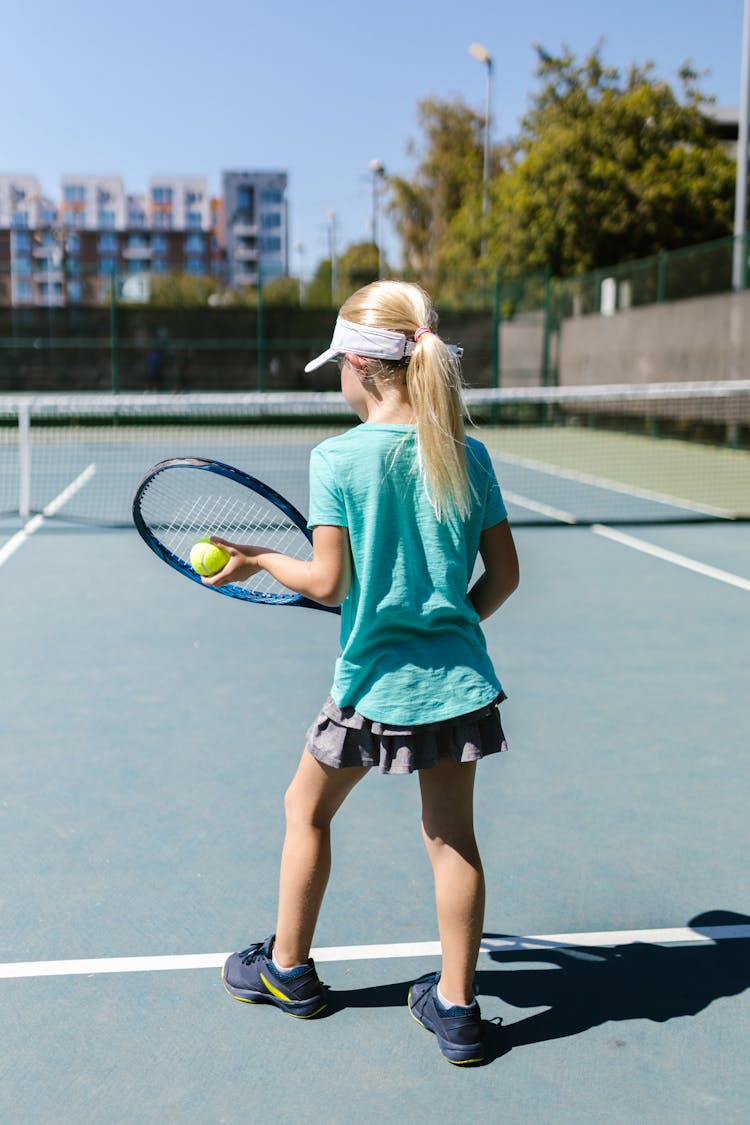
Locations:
{"points": [[377, 343]]}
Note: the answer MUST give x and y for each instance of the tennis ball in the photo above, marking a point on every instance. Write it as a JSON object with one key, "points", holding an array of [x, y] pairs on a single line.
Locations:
{"points": [[206, 558]]}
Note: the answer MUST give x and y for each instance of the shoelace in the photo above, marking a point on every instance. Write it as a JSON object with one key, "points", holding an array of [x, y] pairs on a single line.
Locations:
{"points": [[252, 954]]}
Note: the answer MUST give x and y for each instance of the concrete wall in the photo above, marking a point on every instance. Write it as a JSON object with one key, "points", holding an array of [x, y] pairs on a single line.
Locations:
{"points": [[704, 338]]}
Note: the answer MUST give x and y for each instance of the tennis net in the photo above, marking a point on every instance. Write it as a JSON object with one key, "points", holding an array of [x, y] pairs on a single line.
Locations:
{"points": [[563, 455]]}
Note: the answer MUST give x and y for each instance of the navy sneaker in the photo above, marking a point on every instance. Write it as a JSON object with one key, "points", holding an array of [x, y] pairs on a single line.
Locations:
{"points": [[251, 976], [458, 1030]]}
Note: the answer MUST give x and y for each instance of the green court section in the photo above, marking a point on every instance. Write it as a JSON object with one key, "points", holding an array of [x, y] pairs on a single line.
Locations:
{"points": [[712, 476]]}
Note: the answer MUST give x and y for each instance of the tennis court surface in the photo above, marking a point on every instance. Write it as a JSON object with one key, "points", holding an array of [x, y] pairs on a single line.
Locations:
{"points": [[150, 729]]}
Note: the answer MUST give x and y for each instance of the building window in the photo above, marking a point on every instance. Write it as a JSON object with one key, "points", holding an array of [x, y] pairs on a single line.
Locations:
{"points": [[73, 244], [246, 202], [270, 244], [107, 220], [75, 292], [159, 266], [21, 242], [195, 244], [74, 193], [21, 219], [108, 244], [270, 220], [162, 220], [195, 265], [107, 264], [162, 194], [22, 265], [194, 220], [24, 291], [136, 218], [159, 244], [272, 197]]}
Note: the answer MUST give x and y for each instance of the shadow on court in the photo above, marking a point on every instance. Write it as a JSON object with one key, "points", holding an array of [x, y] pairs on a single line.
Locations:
{"points": [[581, 988]]}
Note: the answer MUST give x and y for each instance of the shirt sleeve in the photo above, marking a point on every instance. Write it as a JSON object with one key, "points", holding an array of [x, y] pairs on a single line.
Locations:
{"points": [[326, 499], [494, 505]]}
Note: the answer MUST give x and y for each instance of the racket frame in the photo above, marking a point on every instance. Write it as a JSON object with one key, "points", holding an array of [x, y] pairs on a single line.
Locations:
{"points": [[231, 590]]}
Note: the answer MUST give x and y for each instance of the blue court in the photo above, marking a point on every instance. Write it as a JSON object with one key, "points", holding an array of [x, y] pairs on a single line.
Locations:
{"points": [[149, 731]]}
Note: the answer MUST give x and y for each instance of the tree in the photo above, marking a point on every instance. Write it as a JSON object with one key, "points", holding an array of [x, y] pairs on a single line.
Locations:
{"points": [[608, 169], [357, 266], [448, 178], [181, 290]]}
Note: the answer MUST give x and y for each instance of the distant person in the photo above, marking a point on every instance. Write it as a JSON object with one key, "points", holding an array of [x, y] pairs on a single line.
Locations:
{"points": [[400, 508], [154, 370]]}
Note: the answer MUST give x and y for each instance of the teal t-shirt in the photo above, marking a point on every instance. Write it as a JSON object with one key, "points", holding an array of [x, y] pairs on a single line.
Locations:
{"points": [[412, 648]]}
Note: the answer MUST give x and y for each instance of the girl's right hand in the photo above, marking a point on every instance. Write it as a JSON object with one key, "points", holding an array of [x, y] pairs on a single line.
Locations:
{"points": [[241, 564]]}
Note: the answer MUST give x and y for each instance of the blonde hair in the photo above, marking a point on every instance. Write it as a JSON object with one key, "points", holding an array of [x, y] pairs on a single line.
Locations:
{"points": [[432, 376]]}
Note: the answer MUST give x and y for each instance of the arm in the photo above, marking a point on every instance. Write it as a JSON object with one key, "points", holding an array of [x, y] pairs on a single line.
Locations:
{"points": [[325, 578], [500, 576]]}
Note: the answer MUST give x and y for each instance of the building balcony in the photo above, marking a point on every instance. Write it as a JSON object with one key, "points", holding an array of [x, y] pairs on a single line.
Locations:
{"points": [[139, 252], [246, 254], [241, 228]]}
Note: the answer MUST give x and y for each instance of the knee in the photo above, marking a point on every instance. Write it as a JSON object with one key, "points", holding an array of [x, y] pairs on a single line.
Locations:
{"points": [[459, 841], [300, 812]]}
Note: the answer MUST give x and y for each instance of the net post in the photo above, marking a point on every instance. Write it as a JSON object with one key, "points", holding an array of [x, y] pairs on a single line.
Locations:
{"points": [[24, 460]]}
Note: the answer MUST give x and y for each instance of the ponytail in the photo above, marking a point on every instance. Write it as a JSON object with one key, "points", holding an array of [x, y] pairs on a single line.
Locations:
{"points": [[433, 381]]}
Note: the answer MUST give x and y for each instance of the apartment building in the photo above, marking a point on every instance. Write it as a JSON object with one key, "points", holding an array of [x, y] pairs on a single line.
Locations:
{"points": [[255, 226], [71, 251]]}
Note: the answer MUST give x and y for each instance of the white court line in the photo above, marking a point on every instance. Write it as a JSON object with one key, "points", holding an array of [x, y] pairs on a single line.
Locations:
{"points": [[633, 542], [541, 509], [94, 966], [54, 506], [671, 556]]}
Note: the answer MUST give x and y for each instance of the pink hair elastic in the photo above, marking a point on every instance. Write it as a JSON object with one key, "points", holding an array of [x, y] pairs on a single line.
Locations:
{"points": [[420, 332]]}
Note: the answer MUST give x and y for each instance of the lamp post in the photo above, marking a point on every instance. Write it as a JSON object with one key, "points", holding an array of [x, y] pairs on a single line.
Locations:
{"points": [[739, 256], [482, 54], [378, 172], [300, 250], [331, 216]]}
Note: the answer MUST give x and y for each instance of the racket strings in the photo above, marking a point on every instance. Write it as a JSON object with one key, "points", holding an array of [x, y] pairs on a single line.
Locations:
{"points": [[178, 517]]}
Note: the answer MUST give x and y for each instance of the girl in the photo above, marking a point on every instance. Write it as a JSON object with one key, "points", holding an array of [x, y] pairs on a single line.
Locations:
{"points": [[399, 509]]}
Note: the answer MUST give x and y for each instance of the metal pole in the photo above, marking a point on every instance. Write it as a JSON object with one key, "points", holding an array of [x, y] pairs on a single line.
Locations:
{"points": [[740, 195], [261, 329], [482, 54], [331, 216], [114, 357]]}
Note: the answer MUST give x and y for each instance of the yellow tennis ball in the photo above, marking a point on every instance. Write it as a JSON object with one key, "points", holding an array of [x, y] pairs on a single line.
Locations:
{"points": [[206, 558]]}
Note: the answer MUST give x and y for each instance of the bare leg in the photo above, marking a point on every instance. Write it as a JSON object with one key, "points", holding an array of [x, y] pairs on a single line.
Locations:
{"points": [[448, 831], [313, 798]]}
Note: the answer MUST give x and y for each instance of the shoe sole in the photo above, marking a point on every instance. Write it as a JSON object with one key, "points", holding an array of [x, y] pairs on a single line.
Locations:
{"points": [[445, 1046], [246, 997]]}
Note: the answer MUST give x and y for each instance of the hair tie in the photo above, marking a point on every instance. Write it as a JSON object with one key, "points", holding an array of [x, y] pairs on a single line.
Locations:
{"points": [[420, 332]]}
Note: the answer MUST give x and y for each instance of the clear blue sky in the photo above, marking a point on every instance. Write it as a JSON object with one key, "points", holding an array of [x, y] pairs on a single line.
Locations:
{"points": [[315, 87]]}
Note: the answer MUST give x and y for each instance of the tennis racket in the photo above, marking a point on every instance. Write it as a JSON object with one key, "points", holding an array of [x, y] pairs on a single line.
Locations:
{"points": [[185, 498]]}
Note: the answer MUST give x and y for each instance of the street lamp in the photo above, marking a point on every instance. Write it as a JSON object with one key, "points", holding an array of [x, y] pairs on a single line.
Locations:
{"points": [[378, 173], [300, 250], [482, 54], [739, 255], [331, 216]]}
